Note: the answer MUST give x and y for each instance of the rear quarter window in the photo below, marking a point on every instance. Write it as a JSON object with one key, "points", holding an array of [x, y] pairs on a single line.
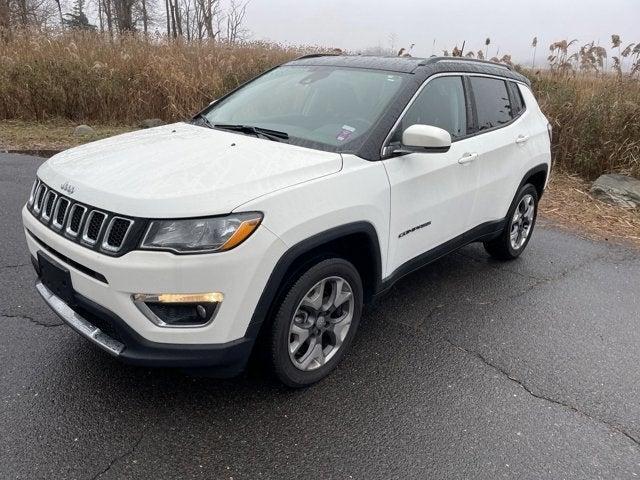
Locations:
{"points": [[517, 102], [492, 102]]}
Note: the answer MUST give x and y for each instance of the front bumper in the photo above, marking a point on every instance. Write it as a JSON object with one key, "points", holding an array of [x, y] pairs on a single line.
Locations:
{"points": [[104, 287], [110, 333], [240, 274]]}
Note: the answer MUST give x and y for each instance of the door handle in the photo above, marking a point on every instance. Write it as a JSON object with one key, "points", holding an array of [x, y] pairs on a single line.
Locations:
{"points": [[467, 158], [522, 138]]}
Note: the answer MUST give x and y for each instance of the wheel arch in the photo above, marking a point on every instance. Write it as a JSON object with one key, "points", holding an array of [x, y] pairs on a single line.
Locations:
{"points": [[537, 176], [356, 242]]}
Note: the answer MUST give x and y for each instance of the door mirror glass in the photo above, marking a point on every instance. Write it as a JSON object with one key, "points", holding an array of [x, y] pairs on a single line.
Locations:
{"points": [[427, 138]]}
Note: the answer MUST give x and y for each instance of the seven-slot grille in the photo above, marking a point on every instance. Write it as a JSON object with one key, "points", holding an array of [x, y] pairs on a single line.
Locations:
{"points": [[81, 223]]}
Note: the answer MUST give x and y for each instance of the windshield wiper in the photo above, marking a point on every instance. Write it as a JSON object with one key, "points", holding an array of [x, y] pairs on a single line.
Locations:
{"points": [[202, 119], [267, 133]]}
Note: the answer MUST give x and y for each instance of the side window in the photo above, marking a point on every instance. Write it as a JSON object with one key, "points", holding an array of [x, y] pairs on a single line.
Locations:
{"points": [[517, 103], [441, 104], [492, 102]]}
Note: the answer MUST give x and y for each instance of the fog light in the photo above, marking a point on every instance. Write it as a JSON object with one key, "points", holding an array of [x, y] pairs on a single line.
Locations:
{"points": [[179, 310], [179, 297]]}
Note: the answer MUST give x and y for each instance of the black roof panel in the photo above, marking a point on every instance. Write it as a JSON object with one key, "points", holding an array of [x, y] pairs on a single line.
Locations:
{"points": [[427, 66]]}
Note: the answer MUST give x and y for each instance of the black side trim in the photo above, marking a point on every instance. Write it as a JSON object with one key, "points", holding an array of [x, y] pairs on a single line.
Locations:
{"points": [[67, 260], [483, 232], [272, 287]]}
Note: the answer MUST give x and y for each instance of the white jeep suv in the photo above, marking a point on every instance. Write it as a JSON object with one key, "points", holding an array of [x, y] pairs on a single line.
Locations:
{"points": [[271, 217]]}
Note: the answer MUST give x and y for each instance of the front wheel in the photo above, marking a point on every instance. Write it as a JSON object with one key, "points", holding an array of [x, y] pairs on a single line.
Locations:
{"points": [[316, 323], [520, 222]]}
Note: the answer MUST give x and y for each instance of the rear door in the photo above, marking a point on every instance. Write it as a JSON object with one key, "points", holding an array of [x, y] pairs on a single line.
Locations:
{"points": [[432, 194], [502, 136]]}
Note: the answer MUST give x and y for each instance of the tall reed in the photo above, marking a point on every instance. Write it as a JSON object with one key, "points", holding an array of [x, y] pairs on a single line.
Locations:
{"points": [[88, 77], [595, 119]]}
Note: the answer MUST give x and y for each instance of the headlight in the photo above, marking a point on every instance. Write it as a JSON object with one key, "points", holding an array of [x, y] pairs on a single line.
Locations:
{"points": [[200, 235]]}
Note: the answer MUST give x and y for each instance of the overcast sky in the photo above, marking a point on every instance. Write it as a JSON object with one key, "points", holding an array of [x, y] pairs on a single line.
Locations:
{"points": [[511, 24]]}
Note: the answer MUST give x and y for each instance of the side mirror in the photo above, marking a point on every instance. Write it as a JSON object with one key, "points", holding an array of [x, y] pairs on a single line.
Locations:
{"points": [[427, 138]]}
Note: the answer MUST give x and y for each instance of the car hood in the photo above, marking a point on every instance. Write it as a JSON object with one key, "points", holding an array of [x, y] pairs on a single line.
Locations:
{"points": [[182, 170]]}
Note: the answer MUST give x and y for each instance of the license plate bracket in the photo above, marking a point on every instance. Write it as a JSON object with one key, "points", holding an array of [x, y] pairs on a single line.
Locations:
{"points": [[56, 278]]}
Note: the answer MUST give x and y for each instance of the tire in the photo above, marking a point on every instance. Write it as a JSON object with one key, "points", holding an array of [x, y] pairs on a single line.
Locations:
{"points": [[312, 327], [520, 223]]}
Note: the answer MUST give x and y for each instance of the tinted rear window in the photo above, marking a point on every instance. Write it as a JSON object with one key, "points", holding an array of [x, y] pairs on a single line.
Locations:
{"points": [[517, 103], [492, 102]]}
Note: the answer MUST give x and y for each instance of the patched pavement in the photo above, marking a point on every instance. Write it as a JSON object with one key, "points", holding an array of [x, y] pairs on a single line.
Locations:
{"points": [[469, 368]]}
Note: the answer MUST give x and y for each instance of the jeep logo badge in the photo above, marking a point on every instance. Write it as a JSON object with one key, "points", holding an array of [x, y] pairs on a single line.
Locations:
{"points": [[67, 187]]}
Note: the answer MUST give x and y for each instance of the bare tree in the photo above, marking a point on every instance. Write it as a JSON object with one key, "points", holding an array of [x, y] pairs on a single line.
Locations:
{"points": [[123, 10], [166, 8], [175, 18], [235, 19], [186, 14], [26, 13], [108, 14], [100, 19], [145, 15], [209, 10], [22, 13], [5, 23], [58, 4]]}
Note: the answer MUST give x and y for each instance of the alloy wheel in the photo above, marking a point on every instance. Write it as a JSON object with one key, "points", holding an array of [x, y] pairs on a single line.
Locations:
{"points": [[522, 222], [321, 323]]}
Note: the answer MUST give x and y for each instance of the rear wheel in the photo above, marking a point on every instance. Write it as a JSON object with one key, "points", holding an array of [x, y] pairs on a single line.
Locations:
{"points": [[520, 222], [316, 323]]}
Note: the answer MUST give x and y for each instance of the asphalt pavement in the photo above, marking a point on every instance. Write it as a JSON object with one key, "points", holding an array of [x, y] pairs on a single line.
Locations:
{"points": [[469, 368]]}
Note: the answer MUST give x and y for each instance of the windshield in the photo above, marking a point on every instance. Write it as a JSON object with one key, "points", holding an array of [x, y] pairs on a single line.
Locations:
{"points": [[329, 108]]}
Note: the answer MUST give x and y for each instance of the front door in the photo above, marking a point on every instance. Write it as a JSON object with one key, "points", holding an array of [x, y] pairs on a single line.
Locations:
{"points": [[432, 194]]}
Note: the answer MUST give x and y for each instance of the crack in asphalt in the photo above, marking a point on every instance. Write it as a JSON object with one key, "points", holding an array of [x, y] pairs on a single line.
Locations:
{"points": [[32, 320], [560, 276], [124, 455], [530, 391]]}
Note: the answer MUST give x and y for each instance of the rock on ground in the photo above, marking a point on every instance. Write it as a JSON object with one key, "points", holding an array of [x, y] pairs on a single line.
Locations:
{"points": [[84, 130], [617, 189]]}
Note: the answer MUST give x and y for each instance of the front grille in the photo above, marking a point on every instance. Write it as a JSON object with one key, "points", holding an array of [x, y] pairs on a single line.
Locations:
{"points": [[95, 229], [60, 213], [34, 189], [116, 233], [42, 190], [77, 214], [49, 202]]}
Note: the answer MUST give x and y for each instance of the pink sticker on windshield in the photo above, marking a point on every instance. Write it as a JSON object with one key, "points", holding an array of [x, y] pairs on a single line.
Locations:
{"points": [[345, 133]]}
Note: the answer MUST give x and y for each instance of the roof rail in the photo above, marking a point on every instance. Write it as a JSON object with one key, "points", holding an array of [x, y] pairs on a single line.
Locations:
{"points": [[316, 55], [432, 60]]}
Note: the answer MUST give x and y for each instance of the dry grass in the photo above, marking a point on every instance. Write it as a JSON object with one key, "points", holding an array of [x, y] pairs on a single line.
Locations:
{"points": [[50, 135], [87, 77], [568, 204], [595, 118]]}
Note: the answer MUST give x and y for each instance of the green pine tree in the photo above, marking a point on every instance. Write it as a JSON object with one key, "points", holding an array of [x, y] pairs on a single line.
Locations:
{"points": [[77, 19]]}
